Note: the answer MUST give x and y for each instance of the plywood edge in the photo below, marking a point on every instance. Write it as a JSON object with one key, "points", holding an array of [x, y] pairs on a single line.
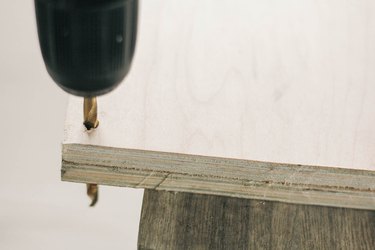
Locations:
{"points": [[315, 185]]}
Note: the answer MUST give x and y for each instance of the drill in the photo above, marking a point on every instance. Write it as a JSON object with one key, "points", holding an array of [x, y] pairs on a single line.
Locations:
{"points": [[87, 47]]}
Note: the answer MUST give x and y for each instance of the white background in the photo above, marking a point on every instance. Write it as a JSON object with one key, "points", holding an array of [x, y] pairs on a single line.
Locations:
{"points": [[37, 210]]}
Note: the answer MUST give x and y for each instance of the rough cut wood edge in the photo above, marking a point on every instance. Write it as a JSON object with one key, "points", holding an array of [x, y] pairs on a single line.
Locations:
{"points": [[298, 184]]}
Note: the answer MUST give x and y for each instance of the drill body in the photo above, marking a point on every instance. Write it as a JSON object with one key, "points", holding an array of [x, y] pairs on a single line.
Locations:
{"points": [[87, 45]]}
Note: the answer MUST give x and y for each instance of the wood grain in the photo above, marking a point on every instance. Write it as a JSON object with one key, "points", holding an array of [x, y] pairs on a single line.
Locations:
{"points": [[191, 221], [221, 89]]}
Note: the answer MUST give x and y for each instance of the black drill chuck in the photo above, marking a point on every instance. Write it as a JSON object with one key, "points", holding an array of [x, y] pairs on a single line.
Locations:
{"points": [[87, 45]]}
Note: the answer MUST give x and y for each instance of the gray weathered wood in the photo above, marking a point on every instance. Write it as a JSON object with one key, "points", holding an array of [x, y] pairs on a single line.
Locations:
{"points": [[173, 220]]}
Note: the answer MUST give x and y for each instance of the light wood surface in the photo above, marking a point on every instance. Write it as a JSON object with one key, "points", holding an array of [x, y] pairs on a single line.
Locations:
{"points": [[219, 89], [201, 222]]}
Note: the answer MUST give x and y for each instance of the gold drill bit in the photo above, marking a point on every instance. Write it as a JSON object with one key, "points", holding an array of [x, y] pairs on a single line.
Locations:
{"points": [[90, 113], [92, 192], [90, 116]]}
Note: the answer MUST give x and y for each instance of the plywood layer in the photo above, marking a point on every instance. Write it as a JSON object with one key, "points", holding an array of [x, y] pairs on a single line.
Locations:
{"points": [[245, 99]]}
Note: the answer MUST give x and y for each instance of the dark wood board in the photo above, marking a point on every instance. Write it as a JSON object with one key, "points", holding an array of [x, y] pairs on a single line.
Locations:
{"points": [[174, 220]]}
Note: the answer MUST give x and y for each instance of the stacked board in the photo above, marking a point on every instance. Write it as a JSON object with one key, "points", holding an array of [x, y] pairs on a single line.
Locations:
{"points": [[250, 99]]}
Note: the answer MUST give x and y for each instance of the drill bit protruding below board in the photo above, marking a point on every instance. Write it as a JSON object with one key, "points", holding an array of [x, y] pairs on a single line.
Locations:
{"points": [[90, 121]]}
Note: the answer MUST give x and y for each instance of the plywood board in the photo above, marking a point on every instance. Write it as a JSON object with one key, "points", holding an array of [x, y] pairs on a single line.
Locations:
{"points": [[256, 99]]}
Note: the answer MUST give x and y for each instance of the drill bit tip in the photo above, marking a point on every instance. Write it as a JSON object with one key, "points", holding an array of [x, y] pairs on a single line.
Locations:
{"points": [[92, 192]]}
